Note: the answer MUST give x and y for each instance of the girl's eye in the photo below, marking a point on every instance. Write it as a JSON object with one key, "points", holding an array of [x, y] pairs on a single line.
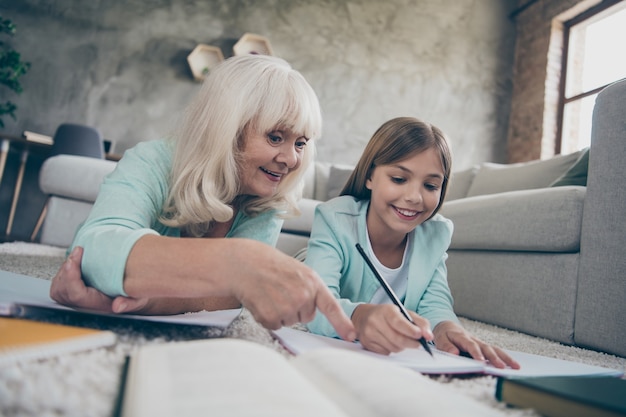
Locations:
{"points": [[398, 180], [432, 187]]}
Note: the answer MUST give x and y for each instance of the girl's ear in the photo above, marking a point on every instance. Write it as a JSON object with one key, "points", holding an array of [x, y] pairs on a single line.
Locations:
{"points": [[368, 184]]}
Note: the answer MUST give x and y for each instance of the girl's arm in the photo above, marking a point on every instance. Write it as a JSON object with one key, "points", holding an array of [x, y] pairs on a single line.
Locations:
{"points": [[453, 338]]}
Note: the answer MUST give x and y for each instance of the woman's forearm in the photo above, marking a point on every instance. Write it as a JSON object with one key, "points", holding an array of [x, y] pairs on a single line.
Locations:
{"points": [[165, 267]]}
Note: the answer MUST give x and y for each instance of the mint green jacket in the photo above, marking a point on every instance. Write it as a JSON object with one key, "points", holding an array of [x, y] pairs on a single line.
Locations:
{"points": [[339, 224], [129, 205]]}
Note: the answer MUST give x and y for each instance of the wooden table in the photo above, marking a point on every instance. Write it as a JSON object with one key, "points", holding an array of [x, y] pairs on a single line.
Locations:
{"points": [[26, 146]]}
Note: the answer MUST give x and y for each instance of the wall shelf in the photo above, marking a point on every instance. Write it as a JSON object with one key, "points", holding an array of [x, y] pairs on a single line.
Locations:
{"points": [[202, 59], [250, 43]]}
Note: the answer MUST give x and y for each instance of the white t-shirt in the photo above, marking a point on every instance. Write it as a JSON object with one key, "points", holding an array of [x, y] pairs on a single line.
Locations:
{"points": [[397, 278]]}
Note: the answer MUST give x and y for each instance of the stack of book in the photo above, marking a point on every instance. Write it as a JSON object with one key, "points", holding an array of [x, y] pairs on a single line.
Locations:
{"points": [[27, 339], [566, 396]]}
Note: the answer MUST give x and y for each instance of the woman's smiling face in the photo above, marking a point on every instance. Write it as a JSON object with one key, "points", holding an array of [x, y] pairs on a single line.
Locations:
{"points": [[266, 158]]}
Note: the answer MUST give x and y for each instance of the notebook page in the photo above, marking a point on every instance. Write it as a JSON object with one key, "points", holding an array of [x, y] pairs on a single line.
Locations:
{"points": [[299, 342]]}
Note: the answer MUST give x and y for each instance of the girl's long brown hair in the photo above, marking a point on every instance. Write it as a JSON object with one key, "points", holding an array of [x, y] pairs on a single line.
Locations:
{"points": [[395, 141]]}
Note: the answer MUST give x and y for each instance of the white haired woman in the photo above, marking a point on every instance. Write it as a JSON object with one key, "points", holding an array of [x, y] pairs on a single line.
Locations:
{"points": [[189, 223]]}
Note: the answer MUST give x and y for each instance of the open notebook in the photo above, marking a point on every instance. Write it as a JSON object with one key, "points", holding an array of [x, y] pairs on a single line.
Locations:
{"points": [[25, 296], [299, 342]]}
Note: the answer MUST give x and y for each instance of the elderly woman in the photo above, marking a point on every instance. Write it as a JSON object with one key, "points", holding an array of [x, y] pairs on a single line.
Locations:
{"points": [[189, 223]]}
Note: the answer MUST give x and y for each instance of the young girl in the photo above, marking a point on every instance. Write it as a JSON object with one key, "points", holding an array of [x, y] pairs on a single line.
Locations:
{"points": [[389, 206]]}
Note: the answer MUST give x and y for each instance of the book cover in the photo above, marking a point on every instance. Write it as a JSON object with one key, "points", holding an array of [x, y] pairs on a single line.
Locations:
{"points": [[22, 339], [569, 396]]}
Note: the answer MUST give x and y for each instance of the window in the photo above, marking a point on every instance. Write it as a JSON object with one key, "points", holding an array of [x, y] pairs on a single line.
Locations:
{"points": [[593, 58]]}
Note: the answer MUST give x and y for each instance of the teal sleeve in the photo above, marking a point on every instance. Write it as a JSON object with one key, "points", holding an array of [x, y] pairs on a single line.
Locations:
{"points": [[436, 304], [431, 298], [328, 257], [128, 206]]}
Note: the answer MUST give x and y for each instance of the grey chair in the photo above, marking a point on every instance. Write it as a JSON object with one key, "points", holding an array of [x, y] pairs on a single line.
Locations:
{"points": [[72, 139]]}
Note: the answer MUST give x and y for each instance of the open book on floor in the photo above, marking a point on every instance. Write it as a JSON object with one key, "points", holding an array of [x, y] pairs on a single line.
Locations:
{"points": [[231, 377], [299, 342]]}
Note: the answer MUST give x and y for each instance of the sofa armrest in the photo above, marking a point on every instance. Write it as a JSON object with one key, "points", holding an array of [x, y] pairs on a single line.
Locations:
{"points": [[74, 177], [601, 279]]}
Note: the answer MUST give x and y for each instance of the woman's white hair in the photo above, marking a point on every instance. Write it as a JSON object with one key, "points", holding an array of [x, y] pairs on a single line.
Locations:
{"points": [[257, 92]]}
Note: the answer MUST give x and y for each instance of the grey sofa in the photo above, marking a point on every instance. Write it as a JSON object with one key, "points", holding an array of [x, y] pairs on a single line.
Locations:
{"points": [[550, 261], [541, 259]]}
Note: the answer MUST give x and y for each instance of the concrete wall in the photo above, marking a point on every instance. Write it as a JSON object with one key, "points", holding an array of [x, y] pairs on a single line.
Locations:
{"points": [[120, 65]]}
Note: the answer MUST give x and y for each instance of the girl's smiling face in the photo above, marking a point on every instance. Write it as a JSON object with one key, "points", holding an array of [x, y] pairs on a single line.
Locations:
{"points": [[404, 194], [266, 158]]}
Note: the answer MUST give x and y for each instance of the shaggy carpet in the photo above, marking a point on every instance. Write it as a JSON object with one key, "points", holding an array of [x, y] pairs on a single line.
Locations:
{"points": [[86, 384]]}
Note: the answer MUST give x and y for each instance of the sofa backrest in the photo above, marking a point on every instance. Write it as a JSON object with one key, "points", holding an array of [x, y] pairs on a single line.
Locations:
{"points": [[492, 178], [325, 180]]}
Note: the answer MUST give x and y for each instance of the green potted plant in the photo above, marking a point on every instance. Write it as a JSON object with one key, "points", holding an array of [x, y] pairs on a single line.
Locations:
{"points": [[11, 69]]}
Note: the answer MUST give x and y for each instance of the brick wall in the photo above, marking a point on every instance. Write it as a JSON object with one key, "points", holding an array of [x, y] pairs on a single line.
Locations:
{"points": [[536, 75]]}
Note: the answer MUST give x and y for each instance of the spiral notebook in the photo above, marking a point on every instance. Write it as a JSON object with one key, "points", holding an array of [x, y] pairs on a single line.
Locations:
{"points": [[22, 339]]}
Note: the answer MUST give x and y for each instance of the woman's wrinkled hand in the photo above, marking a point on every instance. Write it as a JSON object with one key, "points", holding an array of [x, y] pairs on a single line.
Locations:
{"points": [[68, 288]]}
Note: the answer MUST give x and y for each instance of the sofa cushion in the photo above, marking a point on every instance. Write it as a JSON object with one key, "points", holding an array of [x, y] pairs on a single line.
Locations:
{"points": [[320, 187], [308, 189], [577, 174], [337, 179], [542, 220], [460, 183], [494, 178]]}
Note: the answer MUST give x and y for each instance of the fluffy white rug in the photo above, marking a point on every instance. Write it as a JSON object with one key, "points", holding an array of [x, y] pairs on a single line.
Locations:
{"points": [[86, 384], [34, 249]]}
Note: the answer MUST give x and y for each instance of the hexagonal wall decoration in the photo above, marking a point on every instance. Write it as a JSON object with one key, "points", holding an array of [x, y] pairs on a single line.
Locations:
{"points": [[202, 59], [251, 43]]}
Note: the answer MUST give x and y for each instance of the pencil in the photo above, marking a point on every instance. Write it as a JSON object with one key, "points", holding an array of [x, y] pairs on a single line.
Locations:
{"points": [[391, 294]]}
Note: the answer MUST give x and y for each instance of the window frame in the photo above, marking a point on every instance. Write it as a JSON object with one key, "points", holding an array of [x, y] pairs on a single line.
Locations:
{"points": [[563, 100]]}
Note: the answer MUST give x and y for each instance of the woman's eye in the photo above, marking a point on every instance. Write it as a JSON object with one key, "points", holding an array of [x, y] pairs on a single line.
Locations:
{"points": [[300, 144], [274, 138]]}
